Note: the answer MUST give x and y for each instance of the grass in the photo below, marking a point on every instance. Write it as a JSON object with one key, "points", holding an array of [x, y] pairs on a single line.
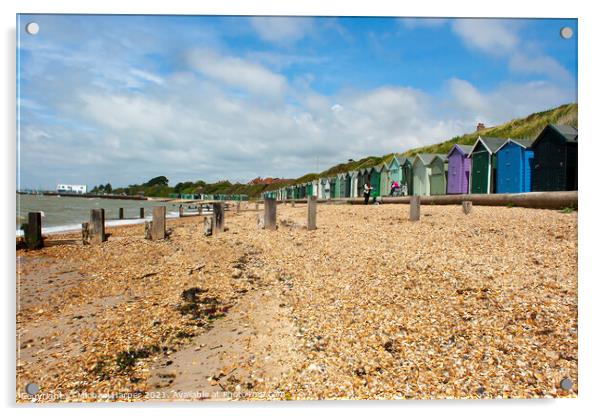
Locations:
{"points": [[567, 210]]}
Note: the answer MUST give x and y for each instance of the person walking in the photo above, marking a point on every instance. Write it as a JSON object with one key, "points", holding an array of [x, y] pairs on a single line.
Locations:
{"points": [[367, 189], [394, 188]]}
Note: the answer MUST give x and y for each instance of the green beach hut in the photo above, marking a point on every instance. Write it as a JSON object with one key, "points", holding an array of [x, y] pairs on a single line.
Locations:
{"points": [[482, 156]]}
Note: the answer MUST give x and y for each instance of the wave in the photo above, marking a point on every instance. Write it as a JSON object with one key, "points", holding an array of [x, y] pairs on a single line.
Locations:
{"points": [[59, 229]]}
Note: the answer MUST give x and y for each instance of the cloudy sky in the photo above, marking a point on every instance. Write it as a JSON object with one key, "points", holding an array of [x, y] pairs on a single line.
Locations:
{"points": [[121, 99]]}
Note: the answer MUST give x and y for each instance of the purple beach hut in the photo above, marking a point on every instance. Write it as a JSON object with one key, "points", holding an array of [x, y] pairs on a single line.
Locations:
{"points": [[458, 169]]}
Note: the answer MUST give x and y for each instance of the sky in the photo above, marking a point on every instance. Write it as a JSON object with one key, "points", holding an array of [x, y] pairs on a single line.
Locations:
{"points": [[122, 99]]}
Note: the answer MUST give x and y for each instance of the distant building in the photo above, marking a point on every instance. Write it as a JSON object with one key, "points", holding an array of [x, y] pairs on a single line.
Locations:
{"points": [[71, 189], [480, 126]]}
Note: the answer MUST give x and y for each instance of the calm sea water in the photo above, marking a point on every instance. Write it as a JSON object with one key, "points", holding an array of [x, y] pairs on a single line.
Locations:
{"points": [[63, 213]]}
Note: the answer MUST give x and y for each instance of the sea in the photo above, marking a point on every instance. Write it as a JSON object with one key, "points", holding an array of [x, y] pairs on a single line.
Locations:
{"points": [[66, 213]]}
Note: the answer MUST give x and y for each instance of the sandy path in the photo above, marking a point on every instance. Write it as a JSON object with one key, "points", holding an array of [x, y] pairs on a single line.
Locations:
{"points": [[251, 347]]}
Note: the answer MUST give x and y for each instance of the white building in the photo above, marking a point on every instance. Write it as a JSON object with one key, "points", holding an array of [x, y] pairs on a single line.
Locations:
{"points": [[71, 189]]}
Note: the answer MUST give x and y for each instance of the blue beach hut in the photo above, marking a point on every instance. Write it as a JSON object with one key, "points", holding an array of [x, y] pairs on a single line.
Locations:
{"points": [[513, 172]]}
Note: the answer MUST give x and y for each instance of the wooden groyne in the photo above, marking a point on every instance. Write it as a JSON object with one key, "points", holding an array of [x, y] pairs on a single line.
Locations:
{"points": [[542, 200]]}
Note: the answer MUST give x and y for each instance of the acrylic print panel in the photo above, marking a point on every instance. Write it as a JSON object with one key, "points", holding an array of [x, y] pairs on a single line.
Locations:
{"points": [[169, 166]]}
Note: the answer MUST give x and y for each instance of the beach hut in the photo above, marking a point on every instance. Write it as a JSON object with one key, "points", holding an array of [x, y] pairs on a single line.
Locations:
{"points": [[555, 159], [458, 169], [315, 187], [385, 180], [363, 177], [339, 185], [353, 184], [374, 178], [429, 174], [513, 172], [482, 170], [324, 188]]}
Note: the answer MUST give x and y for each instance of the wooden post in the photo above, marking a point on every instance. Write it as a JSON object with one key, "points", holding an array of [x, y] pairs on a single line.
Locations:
{"points": [[97, 226], [85, 233], [256, 206], [158, 223], [269, 214], [141, 212], [238, 207], [208, 226], [148, 230], [200, 209], [293, 203], [415, 208], [218, 217], [120, 213], [32, 231], [181, 210], [467, 207], [311, 212]]}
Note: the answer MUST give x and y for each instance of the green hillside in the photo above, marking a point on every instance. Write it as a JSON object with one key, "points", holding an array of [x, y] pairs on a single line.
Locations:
{"points": [[522, 128]]}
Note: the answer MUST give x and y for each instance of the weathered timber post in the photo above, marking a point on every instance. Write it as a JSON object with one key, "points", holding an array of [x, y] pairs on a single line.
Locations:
{"points": [[256, 206], [467, 207], [181, 210], [141, 212], [200, 209], [120, 213], [269, 214], [208, 226], [148, 230], [238, 207], [415, 208], [311, 212], [218, 217], [97, 226], [85, 233], [158, 223], [293, 203], [32, 231]]}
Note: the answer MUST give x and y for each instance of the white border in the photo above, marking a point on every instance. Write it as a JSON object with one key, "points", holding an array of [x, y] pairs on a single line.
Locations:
{"points": [[590, 32]]}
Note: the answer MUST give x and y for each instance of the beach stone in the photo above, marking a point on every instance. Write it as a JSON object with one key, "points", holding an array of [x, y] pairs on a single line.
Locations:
{"points": [[566, 384]]}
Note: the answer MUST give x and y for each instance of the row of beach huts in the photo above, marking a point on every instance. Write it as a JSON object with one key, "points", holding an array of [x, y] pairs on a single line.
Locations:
{"points": [[490, 165]]}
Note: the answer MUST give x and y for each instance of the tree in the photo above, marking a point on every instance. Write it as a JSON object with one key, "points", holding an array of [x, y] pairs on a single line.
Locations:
{"points": [[159, 180], [108, 188]]}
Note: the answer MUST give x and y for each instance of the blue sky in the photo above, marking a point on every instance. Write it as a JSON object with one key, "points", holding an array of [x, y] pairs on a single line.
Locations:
{"points": [[121, 99]]}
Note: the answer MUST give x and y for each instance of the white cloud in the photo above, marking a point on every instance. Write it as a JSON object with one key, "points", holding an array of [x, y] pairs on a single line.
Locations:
{"points": [[538, 64], [282, 30], [147, 76], [506, 101], [237, 72], [489, 35]]}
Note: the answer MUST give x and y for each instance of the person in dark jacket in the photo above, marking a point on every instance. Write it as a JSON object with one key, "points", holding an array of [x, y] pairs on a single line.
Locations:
{"points": [[367, 189]]}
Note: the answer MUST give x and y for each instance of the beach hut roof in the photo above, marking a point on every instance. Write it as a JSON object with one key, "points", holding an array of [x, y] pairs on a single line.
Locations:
{"points": [[526, 143], [568, 132], [464, 148], [492, 144], [428, 158], [400, 159]]}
